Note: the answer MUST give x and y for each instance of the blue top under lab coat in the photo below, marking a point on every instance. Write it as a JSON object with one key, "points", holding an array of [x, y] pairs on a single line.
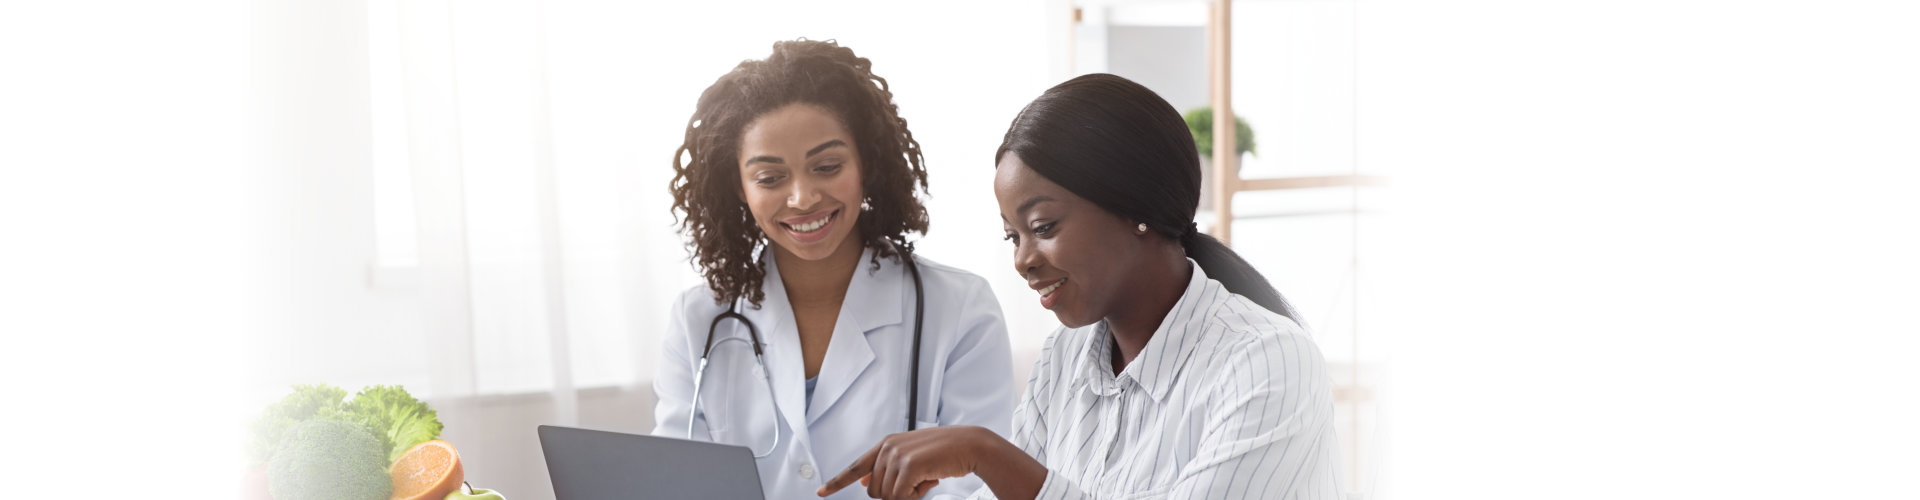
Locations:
{"points": [[966, 374]]}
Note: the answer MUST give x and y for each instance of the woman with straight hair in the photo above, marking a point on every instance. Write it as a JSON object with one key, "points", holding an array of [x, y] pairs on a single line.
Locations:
{"points": [[1178, 371]]}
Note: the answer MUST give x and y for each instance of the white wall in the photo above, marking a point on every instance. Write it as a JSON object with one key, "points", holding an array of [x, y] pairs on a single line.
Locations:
{"points": [[1648, 249], [122, 253], [1170, 60]]}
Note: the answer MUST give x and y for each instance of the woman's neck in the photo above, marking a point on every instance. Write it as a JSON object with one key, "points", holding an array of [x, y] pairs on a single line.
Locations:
{"points": [[1133, 321], [819, 282]]}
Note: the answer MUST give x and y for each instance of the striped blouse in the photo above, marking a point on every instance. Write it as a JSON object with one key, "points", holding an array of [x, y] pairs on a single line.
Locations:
{"points": [[1228, 400]]}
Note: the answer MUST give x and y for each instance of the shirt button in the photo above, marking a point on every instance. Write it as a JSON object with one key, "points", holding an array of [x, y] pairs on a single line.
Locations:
{"points": [[806, 471]]}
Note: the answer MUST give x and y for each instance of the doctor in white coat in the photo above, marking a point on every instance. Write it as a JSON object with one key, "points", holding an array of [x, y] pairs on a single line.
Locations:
{"points": [[796, 189]]}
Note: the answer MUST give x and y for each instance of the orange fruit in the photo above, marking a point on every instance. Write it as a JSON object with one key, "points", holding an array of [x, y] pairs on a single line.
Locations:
{"points": [[428, 471]]}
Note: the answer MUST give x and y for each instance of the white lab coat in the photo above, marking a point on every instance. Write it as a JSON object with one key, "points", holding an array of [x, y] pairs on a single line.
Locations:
{"points": [[861, 393]]}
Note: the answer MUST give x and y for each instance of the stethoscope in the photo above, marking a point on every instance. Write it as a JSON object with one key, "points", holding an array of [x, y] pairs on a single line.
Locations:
{"points": [[700, 369]]}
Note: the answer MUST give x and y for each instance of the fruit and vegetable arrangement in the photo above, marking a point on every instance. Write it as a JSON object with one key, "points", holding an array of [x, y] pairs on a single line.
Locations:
{"points": [[383, 444]]}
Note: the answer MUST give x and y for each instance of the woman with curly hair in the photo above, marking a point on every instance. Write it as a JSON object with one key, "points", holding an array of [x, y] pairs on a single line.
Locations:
{"points": [[796, 187]]}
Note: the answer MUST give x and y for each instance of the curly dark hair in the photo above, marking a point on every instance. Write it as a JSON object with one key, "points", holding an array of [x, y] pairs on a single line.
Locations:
{"points": [[706, 184]]}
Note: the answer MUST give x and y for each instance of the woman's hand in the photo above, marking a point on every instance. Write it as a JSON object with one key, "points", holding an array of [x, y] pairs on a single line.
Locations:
{"points": [[906, 465]]}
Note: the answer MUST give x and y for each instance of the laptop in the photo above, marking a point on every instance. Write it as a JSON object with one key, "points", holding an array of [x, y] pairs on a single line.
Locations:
{"points": [[587, 464]]}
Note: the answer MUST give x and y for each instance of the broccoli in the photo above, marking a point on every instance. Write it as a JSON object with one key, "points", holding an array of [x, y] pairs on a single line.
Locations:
{"points": [[329, 460], [306, 403]]}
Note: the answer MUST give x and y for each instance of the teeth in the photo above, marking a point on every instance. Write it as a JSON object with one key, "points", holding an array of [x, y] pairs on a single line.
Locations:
{"points": [[811, 226], [1050, 288]]}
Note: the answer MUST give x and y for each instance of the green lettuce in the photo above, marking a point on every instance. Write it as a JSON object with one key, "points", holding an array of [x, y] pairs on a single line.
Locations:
{"points": [[394, 417]]}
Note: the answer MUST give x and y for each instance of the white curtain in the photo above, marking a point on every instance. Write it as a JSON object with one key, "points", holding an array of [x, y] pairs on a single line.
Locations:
{"points": [[535, 274]]}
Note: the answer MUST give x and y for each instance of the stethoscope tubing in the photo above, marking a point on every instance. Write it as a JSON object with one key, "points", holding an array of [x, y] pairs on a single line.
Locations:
{"points": [[759, 355], [700, 372]]}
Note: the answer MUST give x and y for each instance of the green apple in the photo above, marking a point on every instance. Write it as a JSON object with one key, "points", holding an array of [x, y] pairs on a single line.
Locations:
{"points": [[473, 493]]}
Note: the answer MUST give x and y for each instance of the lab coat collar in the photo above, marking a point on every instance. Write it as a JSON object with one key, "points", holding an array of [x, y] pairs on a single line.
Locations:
{"points": [[780, 334], [873, 300]]}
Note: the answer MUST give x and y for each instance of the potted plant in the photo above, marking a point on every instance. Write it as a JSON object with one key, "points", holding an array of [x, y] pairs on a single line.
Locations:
{"points": [[1200, 123]]}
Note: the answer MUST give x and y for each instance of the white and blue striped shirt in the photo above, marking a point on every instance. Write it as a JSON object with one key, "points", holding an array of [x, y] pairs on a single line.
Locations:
{"points": [[1228, 400]]}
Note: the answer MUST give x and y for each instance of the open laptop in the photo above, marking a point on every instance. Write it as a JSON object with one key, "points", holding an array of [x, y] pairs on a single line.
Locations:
{"points": [[599, 465]]}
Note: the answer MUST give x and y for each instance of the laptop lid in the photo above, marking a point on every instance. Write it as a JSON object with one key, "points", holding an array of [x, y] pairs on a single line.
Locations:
{"points": [[587, 464]]}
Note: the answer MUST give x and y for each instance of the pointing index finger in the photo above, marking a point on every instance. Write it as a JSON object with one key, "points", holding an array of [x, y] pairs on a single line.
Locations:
{"points": [[859, 469]]}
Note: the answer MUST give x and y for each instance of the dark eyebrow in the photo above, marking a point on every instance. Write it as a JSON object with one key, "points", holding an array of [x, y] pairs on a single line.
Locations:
{"points": [[1027, 205], [824, 145], [769, 159], [816, 150]]}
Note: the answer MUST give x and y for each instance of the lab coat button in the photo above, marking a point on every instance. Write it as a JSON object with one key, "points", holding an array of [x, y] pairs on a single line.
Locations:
{"points": [[806, 471]]}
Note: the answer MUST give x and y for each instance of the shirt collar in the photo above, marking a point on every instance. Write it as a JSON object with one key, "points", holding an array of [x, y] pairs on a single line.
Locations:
{"points": [[1173, 342]]}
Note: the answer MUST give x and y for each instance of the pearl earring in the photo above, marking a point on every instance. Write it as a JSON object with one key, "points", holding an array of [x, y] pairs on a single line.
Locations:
{"points": [[1142, 228]]}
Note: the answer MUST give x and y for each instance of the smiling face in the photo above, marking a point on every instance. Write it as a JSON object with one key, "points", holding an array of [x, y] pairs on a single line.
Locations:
{"points": [[800, 177], [1074, 254]]}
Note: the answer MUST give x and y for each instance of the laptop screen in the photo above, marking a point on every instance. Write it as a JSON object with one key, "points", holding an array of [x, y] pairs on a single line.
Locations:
{"points": [[600, 465]]}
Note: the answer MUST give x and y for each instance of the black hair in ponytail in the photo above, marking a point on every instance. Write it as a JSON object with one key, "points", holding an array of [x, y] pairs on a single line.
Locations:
{"points": [[1124, 148]]}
